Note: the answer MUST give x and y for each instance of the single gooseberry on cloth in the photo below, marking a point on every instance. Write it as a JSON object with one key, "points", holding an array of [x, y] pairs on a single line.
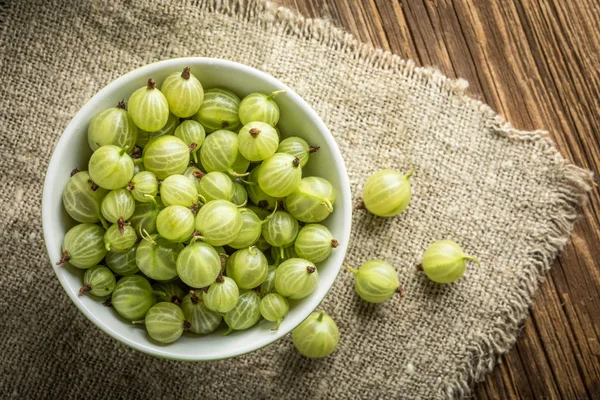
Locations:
{"points": [[444, 261], [317, 336], [387, 192]]}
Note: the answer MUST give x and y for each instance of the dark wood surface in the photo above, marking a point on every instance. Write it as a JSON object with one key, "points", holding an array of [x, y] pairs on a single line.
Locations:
{"points": [[537, 62]]}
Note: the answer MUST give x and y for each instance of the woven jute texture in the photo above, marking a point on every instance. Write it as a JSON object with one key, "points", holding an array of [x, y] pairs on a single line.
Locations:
{"points": [[506, 196]]}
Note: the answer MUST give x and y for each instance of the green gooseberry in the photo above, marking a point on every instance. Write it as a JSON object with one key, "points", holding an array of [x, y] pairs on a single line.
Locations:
{"points": [[156, 257], [133, 296], [268, 285], [193, 134], [218, 222], [143, 186], [178, 190], [240, 196], [169, 292], [280, 230], [98, 281], [215, 186], [257, 141], [260, 107], [166, 156], [119, 239], [112, 126], [274, 307], [249, 232], [317, 336], [202, 319], [444, 261], [387, 192], [193, 174], [122, 263], [145, 137], [148, 107], [83, 246], [248, 267], [312, 201], [298, 148], [198, 265], [296, 278], [219, 152], [183, 92], [375, 281], [165, 322], [82, 198], [222, 296], [145, 214], [245, 314], [219, 110], [175, 223], [118, 206], [280, 175], [110, 167], [314, 243], [257, 195]]}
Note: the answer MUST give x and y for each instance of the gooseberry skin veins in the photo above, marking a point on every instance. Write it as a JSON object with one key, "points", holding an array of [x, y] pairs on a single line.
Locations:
{"points": [[198, 265], [375, 281], [201, 318], [280, 175], [259, 107], [268, 285], [175, 223], [148, 108], [298, 148], [112, 126], [144, 216], [81, 202], [192, 133], [133, 296], [84, 244], [296, 278], [314, 243], [387, 193], [256, 194], [119, 242], [222, 296], [219, 151], [143, 186], [166, 156], [246, 312], [122, 263], [164, 322], [248, 268], [249, 232], [184, 95], [117, 204], [312, 201], [219, 222], [216, 186], [274, 307], [240, 196], [257, 141], [98, 281], [110, 167], [445, 262], [219, 110], [317, 336], [281, 229], [169, 292], [178, 190]]}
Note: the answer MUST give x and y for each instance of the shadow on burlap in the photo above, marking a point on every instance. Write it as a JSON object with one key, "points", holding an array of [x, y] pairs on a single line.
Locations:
{"points": [[508, 197]]}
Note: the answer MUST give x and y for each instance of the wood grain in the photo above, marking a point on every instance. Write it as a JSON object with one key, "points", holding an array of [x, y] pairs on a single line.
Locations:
{"points": [[536, 62]]}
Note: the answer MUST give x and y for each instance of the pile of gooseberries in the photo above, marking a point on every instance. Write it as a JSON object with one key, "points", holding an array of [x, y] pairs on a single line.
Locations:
{"points": [[193, 213]]}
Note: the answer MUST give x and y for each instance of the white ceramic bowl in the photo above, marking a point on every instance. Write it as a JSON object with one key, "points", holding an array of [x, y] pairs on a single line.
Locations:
{"points": [[297, 118]]}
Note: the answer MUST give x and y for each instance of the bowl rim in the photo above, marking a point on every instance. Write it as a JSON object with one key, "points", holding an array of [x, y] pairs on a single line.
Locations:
{"points": [[91, 105]]}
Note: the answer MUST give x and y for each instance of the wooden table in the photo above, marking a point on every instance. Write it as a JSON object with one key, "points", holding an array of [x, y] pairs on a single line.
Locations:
{"points": [[537, 62]]}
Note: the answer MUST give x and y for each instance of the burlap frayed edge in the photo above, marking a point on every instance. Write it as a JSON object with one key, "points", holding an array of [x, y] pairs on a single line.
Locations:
{"points": [[484, 351]]}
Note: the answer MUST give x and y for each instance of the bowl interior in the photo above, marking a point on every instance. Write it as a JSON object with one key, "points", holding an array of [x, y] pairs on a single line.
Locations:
{"points": [[297, 118]]}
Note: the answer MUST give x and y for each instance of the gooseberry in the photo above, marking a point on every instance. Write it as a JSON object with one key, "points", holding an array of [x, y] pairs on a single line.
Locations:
{"points": [[317, 336], [245, 314], [280, 175], [110, 167], [240, 196], [83, 246], [198, 265], [219, 152], [257, 195], [145, 137], [165, 322], [219, 110], [112, 126], [257, 141], [222, 296], [122, 263], [260, 107], [314, 243], [143, 186], [145, 214], [148, 107], [192, 134], [444, 261], [218, 222], [248, 267], [273, 307], [312, 201], [175, 223], [280, 230], [132, 297], [82, 198], [156, 257], [184, 93], [165, 156], [296, 278], [387, 192], [375, 281], [178, 190], [119, 239], [215, 186], [98, 281], [169, 292], [202, 319], [298, 148], [117, 206]]}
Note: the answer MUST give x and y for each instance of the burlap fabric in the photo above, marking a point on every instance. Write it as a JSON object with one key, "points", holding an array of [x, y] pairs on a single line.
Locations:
{"points": [[508, 197]]}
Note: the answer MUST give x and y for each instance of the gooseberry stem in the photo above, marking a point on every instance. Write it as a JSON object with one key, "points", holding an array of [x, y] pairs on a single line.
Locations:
{"points": [[252, 250], [243, 204], [334, 243], [104, 223], [328, 204], [64, 258], [320, 317], [276, 325], [140, 321], [146, 236], [313, 149], [195, 156], [409, 174], [107, 246], [275, 93], [195, 299], [123, 150], [248, 182], [130, 186], [151, 84], [202, 199], [228, 331], [254, 132], [159, 293], [231, 172], [476, 261], [121, 105], [309, 269], [353, 270], [186, 325], [74, 171]]}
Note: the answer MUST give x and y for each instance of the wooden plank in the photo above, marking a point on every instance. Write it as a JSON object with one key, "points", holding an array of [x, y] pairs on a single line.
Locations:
{"points": [[535, 62]]}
